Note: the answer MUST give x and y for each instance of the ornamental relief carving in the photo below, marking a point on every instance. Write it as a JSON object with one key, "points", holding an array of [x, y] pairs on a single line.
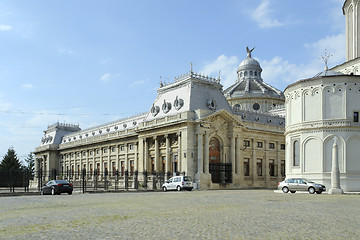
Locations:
{"points": [[219, 124]]}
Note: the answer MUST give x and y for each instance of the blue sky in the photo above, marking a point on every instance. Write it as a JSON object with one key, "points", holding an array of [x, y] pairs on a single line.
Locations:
{"points": [[91, 62]]}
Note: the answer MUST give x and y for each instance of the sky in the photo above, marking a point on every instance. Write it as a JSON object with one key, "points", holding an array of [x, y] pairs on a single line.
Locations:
{"points": [[91, 62]]}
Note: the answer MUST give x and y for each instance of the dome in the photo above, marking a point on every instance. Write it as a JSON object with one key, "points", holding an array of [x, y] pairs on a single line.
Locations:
{"points": [[250, 84], [249, 62], [328, 73]]}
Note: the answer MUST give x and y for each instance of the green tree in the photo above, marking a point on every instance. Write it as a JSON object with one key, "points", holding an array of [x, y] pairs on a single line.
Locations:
{"points": [[10, 161], [30, 165]]}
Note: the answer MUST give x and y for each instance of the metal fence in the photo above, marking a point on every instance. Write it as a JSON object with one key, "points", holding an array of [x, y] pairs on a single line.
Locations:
{"points": [[106, 181], [15, 179]]}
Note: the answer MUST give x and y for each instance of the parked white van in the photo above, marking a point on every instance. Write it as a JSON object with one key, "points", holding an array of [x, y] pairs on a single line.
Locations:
{"points": [[178, 183]]}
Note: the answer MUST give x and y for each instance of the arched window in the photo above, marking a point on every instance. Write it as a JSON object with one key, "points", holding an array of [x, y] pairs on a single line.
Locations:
{"points": [[296, 154], [245, 73], [251, 73]]}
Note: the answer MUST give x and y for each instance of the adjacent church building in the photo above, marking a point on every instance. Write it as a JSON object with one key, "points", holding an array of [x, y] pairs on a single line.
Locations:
{"points": [[235, 138]]}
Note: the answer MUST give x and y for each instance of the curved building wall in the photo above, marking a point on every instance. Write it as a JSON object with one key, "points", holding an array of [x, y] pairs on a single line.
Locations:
{"points": [[317, 110]]}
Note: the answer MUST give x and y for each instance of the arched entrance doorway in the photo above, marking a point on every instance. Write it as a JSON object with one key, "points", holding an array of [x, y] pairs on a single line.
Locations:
{"points": [[214, 160], [220, 172]]}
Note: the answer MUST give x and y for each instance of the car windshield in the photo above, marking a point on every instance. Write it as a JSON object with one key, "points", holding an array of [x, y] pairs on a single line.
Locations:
{"points": [[187, 179]]}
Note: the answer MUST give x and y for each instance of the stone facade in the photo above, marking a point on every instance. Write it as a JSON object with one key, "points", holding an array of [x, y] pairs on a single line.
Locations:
{"points": [[190, 129]]}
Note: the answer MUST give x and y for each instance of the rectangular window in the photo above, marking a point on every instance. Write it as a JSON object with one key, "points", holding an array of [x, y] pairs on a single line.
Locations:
{"points": [[283, 168], [91, 153], [272, 168], [113, 149], [246, 167], [259, 167], [356, 116], [246, 143], [113, 168], [296, 154], [91, 169], [131, 147], [105, 150], [122, 168], [272, 145], [259, 144], [122, 148], [282, 146], [164, 164], [132, 168]]}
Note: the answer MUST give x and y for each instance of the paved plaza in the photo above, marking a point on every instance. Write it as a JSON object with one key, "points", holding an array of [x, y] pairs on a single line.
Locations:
{"points": [[230, 214]]}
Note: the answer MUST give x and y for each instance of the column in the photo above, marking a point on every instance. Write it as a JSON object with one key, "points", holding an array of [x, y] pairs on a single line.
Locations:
{"points": [[206, 153], [146, 155], [126, 157], [200, 153], [180, 153], [335, 172], [156, 153], [239, 165], [168, 149], [232, 153], [136, 157], [253, 169], [140, 166]]}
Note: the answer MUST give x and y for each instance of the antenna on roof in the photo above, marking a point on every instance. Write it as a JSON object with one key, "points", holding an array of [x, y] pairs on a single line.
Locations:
{"points": [[191, 67]]}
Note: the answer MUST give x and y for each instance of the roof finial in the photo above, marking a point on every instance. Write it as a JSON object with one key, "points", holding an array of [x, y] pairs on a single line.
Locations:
{"points": [[325, 58], [249, 51], [161, 82], [191, 67]]}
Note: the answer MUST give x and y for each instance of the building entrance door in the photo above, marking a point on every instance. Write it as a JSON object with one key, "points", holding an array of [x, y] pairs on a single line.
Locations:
{"points": [[214, 160], [220, 172]]}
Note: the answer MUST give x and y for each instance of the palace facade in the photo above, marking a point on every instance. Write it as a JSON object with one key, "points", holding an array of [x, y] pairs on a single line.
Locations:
{"points": [[222, 139]]}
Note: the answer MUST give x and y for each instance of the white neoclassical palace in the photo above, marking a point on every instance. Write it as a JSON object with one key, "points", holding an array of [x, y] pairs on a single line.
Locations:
{"points": [[222, 139], [232, 138]]}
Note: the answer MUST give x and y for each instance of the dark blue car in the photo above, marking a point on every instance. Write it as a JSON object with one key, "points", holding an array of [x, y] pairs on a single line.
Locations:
{"points": [[56, 187]]}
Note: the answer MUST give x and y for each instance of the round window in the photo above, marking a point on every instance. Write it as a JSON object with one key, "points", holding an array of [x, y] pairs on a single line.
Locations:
{"points": [[256, 106]]}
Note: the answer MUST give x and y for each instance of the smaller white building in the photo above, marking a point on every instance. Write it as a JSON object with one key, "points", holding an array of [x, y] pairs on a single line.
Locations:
{"points": [[317, 110]]}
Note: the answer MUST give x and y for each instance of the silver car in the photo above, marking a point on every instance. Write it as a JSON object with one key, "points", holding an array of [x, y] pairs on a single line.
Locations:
{"points": [[300, 184]]}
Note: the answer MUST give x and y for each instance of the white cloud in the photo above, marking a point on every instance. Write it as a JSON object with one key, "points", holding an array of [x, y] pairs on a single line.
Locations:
{"points": [[227, 67], [5, 106], [262, 15], [5, 27], [66, 50], [137, 83], [108, 77], [27, 85], [335, 45]]}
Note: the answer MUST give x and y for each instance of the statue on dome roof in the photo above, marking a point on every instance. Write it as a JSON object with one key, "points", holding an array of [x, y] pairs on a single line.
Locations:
{"points": [[249, 51]]}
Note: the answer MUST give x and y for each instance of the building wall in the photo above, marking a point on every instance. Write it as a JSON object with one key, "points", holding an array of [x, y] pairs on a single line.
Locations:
{"points": [[185, 142], [319, 109]]}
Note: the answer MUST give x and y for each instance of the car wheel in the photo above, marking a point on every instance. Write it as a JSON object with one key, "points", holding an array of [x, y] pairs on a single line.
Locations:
{"points": [[293, 191], [285, 189], [319, 192], [53, 192], [178, 188], [164, 189], [42, 192], [69, 193], [311, 190]]}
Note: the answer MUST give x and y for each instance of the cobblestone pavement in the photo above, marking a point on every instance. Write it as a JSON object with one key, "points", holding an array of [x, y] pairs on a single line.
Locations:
{"points": [[232, 214]]}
